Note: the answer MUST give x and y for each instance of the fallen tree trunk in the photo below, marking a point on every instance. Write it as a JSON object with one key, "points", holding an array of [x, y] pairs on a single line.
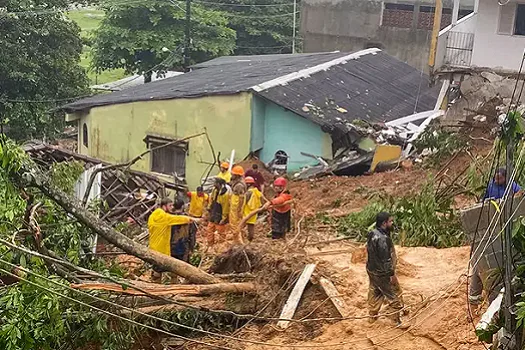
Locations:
{"points": [[71, 205], [159, 289]]}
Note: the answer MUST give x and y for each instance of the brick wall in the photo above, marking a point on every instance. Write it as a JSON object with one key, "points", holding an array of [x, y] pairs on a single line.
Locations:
{"points": [[397, 18]]}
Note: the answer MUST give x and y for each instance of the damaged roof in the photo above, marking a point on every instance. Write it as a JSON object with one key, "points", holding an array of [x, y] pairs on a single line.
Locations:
{"points": [[374, 87], [331, 89], [221, 76]]}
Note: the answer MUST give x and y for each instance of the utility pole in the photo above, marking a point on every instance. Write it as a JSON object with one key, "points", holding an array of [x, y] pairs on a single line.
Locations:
{"points": [[435, 34], [187, 37], [294, 24]]}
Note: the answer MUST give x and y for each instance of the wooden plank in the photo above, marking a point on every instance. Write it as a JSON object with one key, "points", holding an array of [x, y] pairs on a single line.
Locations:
{"points": [[334, 296], [294, 298]]}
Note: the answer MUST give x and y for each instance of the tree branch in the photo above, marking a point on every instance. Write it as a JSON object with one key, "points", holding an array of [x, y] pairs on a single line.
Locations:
{"points": [[31, 176]]}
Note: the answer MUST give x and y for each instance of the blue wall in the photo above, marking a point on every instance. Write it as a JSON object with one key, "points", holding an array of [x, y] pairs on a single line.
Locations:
{"points": [[287, 131]]}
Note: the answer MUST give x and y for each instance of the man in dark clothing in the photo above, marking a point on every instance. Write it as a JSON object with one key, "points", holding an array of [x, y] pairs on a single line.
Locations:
{"points": [[257, 176], [381, 269], [183, 237]]}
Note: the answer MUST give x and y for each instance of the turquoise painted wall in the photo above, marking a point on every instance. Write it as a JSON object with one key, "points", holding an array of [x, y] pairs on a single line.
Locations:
{"points": [[287, 131]]}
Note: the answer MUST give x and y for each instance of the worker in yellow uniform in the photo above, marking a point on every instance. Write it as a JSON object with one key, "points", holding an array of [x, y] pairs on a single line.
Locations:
{"points": [[237, 202], [159, 226], [219, 210], [225, 173], [253, 202], [198, 202]]}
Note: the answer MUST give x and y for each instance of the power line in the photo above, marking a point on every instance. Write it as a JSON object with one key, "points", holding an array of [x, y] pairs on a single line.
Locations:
{"points": [[181, 325], [96, 308]]}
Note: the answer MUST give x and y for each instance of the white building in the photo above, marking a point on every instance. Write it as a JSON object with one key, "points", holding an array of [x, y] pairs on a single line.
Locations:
{"points": [[492, 37]]}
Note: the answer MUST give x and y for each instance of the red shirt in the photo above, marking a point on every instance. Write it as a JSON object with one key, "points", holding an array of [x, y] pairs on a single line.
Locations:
{"points": [[257, 176], [281, 199]]}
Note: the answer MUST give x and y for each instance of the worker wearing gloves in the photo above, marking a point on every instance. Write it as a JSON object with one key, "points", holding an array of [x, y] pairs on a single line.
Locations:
{"points": [[381, 269], [252, 203], [198, 202], [224, 173], [281, 209], [159, 226], [237, 200], [219, 210]]}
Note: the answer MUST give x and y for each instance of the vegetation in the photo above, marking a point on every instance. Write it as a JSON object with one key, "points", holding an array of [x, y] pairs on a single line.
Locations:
{"points": [[146, 36], [39, 67], [420, 219], [89, 20], [441, 143]]}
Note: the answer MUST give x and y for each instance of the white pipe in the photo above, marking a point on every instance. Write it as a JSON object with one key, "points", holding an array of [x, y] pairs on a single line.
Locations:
{"points": [[232, 158], [455, 13]]}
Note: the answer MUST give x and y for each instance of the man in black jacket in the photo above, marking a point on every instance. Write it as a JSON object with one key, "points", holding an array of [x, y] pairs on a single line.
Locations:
{"points": [[381, 268]]}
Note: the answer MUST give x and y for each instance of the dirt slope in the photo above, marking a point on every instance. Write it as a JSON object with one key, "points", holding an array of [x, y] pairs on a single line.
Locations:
{"points": [[434, 290]]}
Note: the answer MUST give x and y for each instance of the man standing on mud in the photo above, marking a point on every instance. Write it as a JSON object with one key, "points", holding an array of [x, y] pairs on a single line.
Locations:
{"points": [[381, 269]]}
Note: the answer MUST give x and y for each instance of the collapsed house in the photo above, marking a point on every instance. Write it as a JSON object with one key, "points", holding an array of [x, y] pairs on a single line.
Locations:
{"points": [[298, 108], [125, 194]]}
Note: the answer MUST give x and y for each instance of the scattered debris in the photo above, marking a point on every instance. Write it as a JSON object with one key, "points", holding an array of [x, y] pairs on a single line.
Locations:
{"points": [[295, 297]]}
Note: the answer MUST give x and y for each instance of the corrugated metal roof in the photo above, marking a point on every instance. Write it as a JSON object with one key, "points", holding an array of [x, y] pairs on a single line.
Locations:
{"points": [[373, 88], [223, 76]]}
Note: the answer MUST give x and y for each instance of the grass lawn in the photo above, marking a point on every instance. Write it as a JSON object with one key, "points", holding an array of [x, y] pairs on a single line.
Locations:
{"points": [[89, 20]]}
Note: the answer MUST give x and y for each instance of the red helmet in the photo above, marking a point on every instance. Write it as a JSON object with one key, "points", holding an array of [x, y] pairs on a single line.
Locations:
{"points": [[249, 180], [280, 181]]}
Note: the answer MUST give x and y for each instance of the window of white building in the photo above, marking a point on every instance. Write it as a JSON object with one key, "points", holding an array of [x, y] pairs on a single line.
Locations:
{"points": [[512, 19]]}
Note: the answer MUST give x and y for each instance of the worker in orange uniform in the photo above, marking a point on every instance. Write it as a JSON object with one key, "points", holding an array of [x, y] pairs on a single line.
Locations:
{"points": [[224, 173], [252, 202], [198, 202], [237, 202], [281, 209], [219, 210], [159, 226]]}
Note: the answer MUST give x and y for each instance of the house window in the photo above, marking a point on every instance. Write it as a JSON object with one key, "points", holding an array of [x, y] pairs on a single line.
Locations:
{"points": [[397, 15], [512, 19], [519, 24], [169, 160], [85, 135]]}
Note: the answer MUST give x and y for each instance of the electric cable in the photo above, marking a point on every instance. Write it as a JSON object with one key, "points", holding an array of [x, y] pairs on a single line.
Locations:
{"points": [[97, 308], [175, 323]]}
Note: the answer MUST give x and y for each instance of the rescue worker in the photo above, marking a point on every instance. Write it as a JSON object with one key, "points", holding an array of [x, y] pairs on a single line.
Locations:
{"points": [[183, 236], [381, 269], [224, 173], [281, 209], [219, 209], [198, 202], [237, 200], [159, 226], [253, 202]]}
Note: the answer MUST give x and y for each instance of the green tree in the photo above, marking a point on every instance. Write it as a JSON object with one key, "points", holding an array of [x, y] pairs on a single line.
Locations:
{"points": [[38, 66], [135, 36], [262, 27]]}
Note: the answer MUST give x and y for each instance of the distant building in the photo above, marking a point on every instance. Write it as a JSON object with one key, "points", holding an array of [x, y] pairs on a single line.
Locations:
{"points": [[492, 37], [299, 105], [401, 28]]}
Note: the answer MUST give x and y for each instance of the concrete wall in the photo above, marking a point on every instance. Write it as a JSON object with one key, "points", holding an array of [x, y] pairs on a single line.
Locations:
{"points": [[491, 49], [116, 132], [284, 130], [352, 25], [483, 227]]}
